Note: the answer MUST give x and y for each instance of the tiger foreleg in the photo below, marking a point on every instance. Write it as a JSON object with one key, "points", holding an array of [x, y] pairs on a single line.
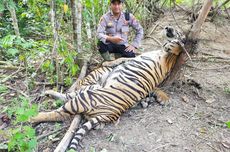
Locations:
{"points": [[56, 115], [162, 97], [115, 62]]}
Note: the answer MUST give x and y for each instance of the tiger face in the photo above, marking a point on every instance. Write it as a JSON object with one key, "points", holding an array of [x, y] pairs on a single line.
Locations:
{"points": [[173, 47]]}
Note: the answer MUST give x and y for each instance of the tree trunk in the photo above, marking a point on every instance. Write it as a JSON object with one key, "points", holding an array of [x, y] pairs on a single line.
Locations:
{"points": [[55, 38], [74, 21], [79, 21], [14, 19]]}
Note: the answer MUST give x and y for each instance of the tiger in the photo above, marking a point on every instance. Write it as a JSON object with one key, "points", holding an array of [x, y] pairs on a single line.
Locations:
{"points": [[122, 83]]}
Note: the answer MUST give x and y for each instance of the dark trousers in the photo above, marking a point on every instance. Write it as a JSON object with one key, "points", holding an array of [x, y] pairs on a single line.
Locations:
{"points": [[114, 48]]}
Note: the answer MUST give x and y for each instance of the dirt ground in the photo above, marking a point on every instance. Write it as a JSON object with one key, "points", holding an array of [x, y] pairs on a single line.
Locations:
{"points": [[192, 122]]}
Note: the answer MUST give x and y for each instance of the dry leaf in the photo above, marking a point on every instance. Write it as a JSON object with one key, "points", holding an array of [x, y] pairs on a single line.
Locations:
{"points": [[169, 121], [226, 143], [185, 99], [211, 100]]}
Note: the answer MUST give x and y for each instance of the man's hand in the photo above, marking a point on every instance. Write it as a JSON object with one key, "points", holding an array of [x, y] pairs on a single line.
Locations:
{"points": [[130, 48], [115, 39]]}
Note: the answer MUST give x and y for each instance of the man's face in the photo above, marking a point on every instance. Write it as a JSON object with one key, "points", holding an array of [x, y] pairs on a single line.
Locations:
{"points": [[116, 7]]}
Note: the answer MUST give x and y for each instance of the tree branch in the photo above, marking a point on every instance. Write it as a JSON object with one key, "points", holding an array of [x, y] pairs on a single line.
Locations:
{"points": [[191, 40], [62, 146]]}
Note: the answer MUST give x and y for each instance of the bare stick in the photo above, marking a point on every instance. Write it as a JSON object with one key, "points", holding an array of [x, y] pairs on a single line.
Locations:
{"points": [[9, 76], [4, 62], [62, 146], [20, 92], [156, 40], [50, 133], [10, 67], [153, 29]]}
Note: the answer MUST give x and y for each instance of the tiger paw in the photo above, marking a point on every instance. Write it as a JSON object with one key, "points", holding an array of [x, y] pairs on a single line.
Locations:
{"points": [[162, 97]]}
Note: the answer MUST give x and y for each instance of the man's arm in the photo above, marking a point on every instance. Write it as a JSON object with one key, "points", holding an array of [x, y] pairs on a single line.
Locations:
{"points": [[139, 31], [101, 33]]}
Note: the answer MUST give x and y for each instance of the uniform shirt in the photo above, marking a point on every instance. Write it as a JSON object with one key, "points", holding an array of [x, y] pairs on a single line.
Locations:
{"points": [[109, 26]]}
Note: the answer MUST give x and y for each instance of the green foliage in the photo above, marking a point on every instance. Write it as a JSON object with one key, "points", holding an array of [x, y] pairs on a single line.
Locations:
{"points": [[227, 90], [3, 89], [13, 45], [58, 103], [228, 124], [22, 138]]}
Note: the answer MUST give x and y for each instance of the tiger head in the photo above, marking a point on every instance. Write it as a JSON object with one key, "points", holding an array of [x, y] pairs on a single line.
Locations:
{"points": [[173, 47], [174, 40]]}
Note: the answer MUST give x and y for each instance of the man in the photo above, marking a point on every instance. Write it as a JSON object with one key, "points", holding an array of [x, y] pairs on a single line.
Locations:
{"points": [[113, 30]]}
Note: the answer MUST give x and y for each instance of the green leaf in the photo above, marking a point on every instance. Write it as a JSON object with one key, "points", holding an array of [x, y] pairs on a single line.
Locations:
{"points": [[2, 7], [20, 111], [30, 132], [8, 41], [228, 124], [12, 52], [22, 118], [32, 143], [58, 103], [18, 136], [3, 89], [46, 64], [74, 69]]}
